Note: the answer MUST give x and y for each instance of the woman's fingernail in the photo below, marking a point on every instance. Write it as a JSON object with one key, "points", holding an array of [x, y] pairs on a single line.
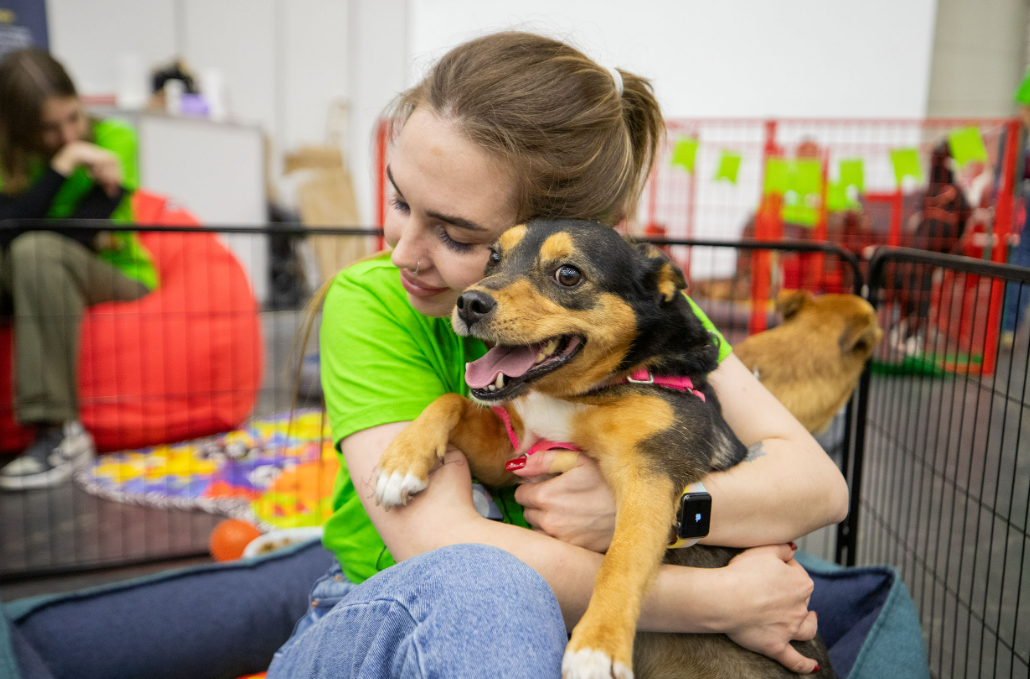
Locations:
{"points": [[792, 546], [815, 670], [517, 463]]}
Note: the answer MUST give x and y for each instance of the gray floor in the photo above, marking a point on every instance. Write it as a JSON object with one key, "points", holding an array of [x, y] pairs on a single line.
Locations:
{"points": [[63, 528], [945, 499]]}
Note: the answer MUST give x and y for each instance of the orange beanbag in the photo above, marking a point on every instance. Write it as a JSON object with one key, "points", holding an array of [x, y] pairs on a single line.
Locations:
{"points": [[184, 361]]}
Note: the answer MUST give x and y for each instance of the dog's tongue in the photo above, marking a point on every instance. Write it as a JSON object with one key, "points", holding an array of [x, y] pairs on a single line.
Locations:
{"points": [[512, 361]]}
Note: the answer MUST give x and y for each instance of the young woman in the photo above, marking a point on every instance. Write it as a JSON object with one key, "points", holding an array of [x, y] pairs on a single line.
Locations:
{"points": [[56, 162], [507, 128]]}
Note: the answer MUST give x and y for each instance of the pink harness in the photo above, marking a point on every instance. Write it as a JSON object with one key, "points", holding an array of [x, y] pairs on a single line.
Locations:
{"points": [[641, 376]]}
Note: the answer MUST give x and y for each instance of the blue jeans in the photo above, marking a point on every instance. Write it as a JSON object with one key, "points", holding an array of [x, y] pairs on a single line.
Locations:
{"points": [[1016, 295], [460, 611]]}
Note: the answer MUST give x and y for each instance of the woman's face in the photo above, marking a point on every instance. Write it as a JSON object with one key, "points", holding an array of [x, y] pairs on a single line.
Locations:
{"points": [[450, 202], [62, 121]]}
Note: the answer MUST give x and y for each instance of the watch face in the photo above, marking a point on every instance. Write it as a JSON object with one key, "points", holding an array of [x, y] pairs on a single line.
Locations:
{"points": [[695, 515]]}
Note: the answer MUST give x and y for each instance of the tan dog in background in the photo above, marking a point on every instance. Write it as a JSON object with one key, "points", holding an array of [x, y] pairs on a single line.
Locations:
{"points": [[813, 360]]}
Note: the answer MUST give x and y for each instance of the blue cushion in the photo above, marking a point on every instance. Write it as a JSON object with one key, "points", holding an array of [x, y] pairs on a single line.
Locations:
{"points": [[868, 620], [112, 631]]}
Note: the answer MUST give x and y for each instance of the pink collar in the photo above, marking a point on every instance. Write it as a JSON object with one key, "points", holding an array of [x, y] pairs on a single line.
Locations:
{"points": [[642, 376], [681, 383]]}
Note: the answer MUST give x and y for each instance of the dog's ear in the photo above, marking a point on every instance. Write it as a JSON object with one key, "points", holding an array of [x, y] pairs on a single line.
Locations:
{"points": [[860, 337], [666, 277], [790, 302]]}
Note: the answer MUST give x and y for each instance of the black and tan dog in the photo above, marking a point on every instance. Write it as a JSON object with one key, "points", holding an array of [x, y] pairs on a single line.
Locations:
{"points": [[571, 310]]}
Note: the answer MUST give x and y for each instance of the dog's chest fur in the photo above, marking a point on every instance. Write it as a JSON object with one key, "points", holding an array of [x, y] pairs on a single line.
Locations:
{"points": [[546, 417]]}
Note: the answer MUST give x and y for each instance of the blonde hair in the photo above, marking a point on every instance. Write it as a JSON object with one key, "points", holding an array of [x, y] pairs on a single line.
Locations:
{"points": [[577, 147]]}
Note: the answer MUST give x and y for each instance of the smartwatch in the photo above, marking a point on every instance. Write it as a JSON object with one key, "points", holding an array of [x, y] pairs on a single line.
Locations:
{"points": [[693, 517]]}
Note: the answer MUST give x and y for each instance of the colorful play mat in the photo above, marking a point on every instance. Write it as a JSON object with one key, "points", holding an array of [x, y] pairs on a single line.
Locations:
{"points": [[276, 472]]}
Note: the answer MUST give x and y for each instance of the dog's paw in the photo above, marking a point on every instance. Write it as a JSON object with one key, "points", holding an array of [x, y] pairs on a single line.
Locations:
{"points": [[587, 663], [396, 489]]}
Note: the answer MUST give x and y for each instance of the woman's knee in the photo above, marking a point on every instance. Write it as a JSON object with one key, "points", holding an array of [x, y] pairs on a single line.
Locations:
{"points": [[459, 579], [36, 251], [465, 567], [455, 610]]}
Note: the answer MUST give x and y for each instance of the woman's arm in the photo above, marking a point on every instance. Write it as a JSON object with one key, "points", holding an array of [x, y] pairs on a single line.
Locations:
{"points": [[787, 487], [98, 203], [35, 201], [761, 601]]}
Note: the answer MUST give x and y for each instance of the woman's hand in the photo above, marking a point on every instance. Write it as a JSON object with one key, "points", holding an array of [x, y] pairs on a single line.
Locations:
{"points": [[102, 165], [772, 593], [575, 507]]}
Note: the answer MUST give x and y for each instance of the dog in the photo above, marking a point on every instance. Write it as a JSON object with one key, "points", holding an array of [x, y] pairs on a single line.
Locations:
{"points": [[583, 329], [813, 360]]}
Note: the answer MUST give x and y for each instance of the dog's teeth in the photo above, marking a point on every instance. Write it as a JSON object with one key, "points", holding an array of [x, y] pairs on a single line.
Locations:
{"points": [[541, 356], [499, 383], [551, 346], [491, 387]]}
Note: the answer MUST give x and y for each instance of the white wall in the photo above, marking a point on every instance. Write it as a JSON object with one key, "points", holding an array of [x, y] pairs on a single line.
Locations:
{"points": [[379, 66], [979, 57], [313, 66], [239, 38], [726, 57], [283, 61], [88, 37]]}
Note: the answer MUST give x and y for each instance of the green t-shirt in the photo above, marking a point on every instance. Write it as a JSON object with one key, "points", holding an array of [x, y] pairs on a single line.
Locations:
{"points": [[383, 362], [128, 254]]}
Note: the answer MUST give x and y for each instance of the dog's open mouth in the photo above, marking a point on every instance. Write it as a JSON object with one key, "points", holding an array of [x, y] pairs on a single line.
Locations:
{"points": [[503, 368]]}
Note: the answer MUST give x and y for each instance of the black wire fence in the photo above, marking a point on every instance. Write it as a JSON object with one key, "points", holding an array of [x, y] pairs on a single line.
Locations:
{"points": [[188, 392], [943, 490]]}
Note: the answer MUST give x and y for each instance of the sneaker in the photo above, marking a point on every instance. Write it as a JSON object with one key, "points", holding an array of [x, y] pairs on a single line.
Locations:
{"points": [[913, 346], [51, 459], [897, 335]]}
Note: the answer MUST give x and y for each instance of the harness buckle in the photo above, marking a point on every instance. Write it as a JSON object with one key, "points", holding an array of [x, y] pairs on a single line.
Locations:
{"points": [[649, 380]]}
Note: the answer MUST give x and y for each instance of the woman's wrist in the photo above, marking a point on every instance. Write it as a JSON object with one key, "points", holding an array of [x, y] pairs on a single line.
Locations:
{"points": [[66, 159], [690, 600]]}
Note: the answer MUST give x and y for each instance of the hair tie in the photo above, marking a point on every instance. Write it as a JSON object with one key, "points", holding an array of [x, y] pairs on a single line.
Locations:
{"points": [[617, 77]]}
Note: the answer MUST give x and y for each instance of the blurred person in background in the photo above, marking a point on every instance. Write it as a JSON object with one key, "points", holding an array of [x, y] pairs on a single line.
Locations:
{"points": [[1015, 298], [56, 162], [938, 227]]}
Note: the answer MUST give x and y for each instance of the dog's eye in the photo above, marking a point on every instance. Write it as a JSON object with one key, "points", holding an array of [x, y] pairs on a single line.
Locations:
{"points": [[568, 275], [495, 258]]}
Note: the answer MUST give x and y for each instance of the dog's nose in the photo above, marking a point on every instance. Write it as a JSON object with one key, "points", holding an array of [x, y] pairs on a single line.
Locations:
{"points": [[475, 305]]}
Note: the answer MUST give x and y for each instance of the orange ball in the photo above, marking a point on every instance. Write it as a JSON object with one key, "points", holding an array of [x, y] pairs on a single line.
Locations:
{"points": [[230, 538]]}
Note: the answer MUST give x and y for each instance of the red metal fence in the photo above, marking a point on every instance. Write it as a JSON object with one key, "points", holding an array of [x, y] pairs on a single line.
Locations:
{"points": [[856, 183]]}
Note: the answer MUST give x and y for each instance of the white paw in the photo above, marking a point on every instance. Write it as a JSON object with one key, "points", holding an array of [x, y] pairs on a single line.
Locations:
{"points": [[590, 664], [395, 490]]}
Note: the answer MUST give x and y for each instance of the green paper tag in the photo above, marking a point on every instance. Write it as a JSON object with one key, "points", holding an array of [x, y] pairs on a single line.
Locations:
{"points": [[729, 163], [684, 153], [966, 144], [839, 198], [906, 164], [806, 177], [1023, 93], [852, 173], [775, 175]]}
